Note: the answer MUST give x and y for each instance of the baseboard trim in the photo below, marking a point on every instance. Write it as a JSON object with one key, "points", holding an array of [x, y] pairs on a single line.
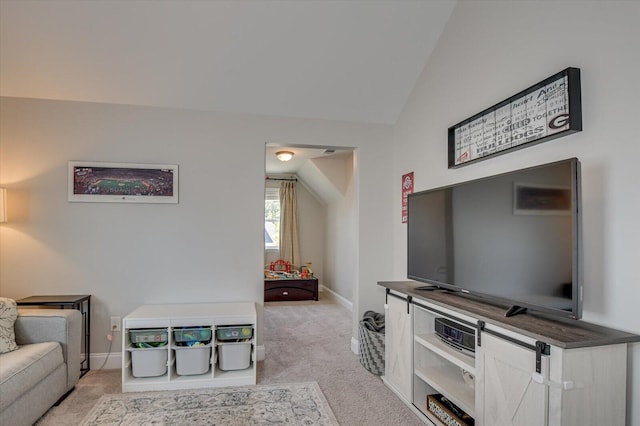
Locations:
{"points": [[341, 300], [355, 346], [113, 362], [260, 353]]}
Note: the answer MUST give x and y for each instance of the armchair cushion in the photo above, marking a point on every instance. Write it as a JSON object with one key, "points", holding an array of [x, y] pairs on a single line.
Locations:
{"points": [[26, 368], [8, 315], [54, 325]]}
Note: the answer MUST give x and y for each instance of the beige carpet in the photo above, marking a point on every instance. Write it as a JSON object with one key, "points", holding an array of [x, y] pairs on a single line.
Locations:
{"points": [[304, 342]]}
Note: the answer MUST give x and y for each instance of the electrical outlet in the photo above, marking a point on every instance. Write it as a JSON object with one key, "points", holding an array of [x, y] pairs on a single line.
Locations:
{"points": [[115, 324]]}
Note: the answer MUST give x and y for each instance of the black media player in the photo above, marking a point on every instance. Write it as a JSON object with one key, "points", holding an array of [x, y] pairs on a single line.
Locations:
{"points": [[456, 335]]}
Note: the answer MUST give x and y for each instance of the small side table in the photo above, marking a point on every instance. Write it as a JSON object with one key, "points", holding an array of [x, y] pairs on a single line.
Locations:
{"points": [[80, 302]]}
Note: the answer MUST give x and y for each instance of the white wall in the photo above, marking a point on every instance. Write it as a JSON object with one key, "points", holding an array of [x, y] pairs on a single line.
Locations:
{"points": [[342, 245], [491, 50], [209, 247], [312, 218]]}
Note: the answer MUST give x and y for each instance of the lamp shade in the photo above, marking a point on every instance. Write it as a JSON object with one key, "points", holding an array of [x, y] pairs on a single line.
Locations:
{"points": [[284, 155], [3, 205]]}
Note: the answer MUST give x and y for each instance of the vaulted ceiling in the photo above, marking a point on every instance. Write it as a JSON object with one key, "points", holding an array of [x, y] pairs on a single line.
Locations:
{"points": [[342, 60]]}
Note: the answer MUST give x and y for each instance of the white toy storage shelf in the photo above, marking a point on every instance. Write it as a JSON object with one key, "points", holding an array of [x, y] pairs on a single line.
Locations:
{"points": [[172, 366]]}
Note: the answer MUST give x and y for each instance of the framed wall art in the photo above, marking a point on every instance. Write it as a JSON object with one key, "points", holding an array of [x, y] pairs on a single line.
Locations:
{"points": [[544, 111], [98, 182]]}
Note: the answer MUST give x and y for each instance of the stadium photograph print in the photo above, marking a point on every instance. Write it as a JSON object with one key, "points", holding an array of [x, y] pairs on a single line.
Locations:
{"points": [[98, 182]]}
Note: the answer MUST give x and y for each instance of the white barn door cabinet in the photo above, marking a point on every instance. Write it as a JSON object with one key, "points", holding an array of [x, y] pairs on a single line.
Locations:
{"points": [[525, 370]]}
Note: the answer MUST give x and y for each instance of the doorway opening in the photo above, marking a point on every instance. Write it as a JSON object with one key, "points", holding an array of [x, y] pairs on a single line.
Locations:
{"points": [[326, 210]]}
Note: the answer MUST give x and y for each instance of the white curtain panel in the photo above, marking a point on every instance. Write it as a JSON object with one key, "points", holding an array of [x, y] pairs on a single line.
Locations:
{"points": [[289, 244]]}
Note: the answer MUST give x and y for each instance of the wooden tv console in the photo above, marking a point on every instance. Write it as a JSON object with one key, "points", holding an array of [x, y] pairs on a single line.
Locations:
{"points": [[527, 370]]}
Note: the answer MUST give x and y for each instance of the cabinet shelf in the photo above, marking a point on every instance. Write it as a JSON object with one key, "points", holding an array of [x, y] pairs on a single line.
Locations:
{"points": [[445, 380], [436, 421], [432, 342], [191, 377], [439, 366], [233, 374]]}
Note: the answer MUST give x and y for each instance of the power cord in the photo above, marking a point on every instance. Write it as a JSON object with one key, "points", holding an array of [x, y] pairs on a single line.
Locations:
{"points": [[110, 339]]}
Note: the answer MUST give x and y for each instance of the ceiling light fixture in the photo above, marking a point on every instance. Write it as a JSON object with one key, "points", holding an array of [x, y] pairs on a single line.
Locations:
{"points": [[284, 155]]}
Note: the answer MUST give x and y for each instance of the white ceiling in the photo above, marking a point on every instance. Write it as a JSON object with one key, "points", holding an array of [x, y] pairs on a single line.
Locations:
{"points": [[345, 60]]}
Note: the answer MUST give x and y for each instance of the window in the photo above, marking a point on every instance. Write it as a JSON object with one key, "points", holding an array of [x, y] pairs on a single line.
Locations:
{"points": [[272, 218]]}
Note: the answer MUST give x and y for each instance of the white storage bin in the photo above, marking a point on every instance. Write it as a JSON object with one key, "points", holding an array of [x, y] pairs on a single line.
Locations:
{"points": [[234, 355], [149, 362], [192, 360]]}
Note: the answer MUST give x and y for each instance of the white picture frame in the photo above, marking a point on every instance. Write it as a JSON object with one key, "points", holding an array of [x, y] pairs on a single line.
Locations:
{"points": [[101, 182]]}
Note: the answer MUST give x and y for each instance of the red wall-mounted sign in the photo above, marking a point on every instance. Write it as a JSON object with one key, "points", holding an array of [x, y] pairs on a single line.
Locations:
{"points": [[407, 188]]}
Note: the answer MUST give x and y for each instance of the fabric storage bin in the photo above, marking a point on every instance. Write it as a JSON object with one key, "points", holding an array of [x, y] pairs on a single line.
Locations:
{"points": [[192, 360], [371, 332], [234, 355], [149, 362], [235, 332]]}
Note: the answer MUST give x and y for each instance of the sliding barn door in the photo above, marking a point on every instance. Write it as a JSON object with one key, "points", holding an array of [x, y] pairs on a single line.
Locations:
{"points": [[398, 363], [510, 396]]}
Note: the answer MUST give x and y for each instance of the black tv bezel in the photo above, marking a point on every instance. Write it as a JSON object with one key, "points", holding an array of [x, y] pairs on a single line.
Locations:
{"points": [[576, 213]]}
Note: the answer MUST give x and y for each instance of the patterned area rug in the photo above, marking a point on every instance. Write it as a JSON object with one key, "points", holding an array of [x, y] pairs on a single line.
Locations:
{"points": [[286, 404]]}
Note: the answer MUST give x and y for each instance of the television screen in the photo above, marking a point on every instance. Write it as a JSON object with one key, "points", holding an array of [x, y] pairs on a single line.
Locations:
{"points": [[513, 237]]}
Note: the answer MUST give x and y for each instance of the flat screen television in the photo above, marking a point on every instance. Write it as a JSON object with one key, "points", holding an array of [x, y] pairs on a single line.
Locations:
{"points": [[512, 238]]}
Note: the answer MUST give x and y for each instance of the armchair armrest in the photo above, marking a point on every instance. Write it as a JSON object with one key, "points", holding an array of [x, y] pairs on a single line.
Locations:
{"points": [[54, 325]]}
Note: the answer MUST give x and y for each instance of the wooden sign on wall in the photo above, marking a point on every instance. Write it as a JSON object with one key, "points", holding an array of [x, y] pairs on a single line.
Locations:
{"points": [[544, 111]]}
